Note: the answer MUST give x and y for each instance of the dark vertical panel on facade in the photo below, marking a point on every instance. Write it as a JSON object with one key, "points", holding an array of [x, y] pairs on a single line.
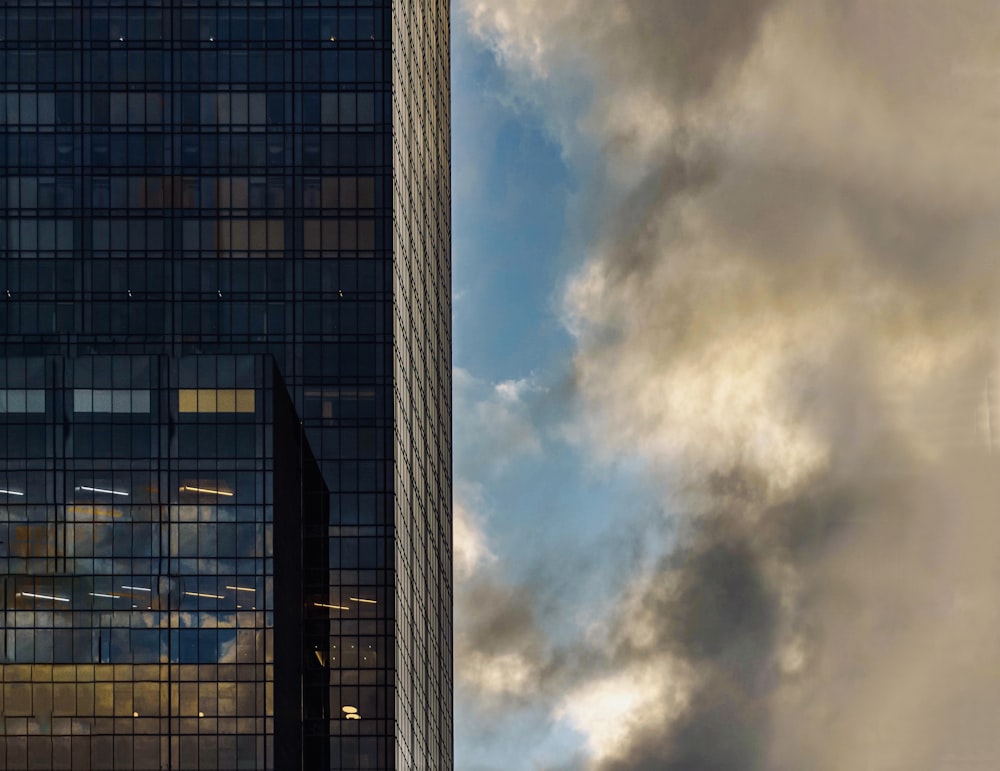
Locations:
{"points": [[289, 459]]}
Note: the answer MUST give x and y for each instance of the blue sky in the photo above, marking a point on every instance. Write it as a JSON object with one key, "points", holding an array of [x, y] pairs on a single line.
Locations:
{"points": [[547, 511], [511, 191], [510, 196]]}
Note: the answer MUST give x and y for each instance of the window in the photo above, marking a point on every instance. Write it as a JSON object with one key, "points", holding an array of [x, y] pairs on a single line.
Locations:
{"points": [[22, 401], [107, 400], [216, 400]]}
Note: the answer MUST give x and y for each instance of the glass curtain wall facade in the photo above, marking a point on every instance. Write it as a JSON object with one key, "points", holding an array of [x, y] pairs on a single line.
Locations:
{"points": [[225, 384]]}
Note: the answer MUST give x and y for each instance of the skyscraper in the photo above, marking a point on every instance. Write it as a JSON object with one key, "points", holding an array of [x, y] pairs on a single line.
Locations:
{"points": [[225, 452]]}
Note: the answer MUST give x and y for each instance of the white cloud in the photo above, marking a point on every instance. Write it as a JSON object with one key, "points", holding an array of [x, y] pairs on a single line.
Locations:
{"points": [[514, 390], [471, 550], [500, 674], [493, 422], [606, 710]]}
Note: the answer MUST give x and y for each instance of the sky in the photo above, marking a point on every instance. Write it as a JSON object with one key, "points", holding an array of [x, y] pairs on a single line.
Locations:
{"points": [[725, 315]]}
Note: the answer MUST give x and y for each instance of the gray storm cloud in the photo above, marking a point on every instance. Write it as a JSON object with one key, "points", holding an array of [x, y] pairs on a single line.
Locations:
{"points": [[788, 312]]}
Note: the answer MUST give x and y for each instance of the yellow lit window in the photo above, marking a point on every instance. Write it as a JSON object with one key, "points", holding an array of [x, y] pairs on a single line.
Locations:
{"points": [[225, 401], [207, 400], [216, 400], [245, 400], [188, 401]]}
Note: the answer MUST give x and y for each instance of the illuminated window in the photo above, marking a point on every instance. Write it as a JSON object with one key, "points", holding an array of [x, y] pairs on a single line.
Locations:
{"points": [[22, 401], [216, 400], [106, 400]]}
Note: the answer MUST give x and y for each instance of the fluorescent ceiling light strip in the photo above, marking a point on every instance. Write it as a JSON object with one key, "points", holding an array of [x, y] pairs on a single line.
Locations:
{"points": [[334, 607], [11, 492], [209, 596], [44, 597], [108, 596], [362, 599], [241, 589], [102, 490], [209, 491], [137, 588]]}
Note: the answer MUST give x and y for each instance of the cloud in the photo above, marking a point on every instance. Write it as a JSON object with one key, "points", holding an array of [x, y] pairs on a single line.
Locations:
{"points": [[494, 423], [502, 655], [500, 649], [512, 391], [787, 313], [470, 547], [847, 623], [608, 708]]}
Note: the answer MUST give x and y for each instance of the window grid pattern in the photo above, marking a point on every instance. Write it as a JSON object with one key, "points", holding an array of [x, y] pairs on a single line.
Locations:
{"points": [[217, 178], [422, 366], [135, 579]]}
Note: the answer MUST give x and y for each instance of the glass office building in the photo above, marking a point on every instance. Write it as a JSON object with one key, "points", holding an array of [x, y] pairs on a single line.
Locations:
{"points": [[225, 480]]}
